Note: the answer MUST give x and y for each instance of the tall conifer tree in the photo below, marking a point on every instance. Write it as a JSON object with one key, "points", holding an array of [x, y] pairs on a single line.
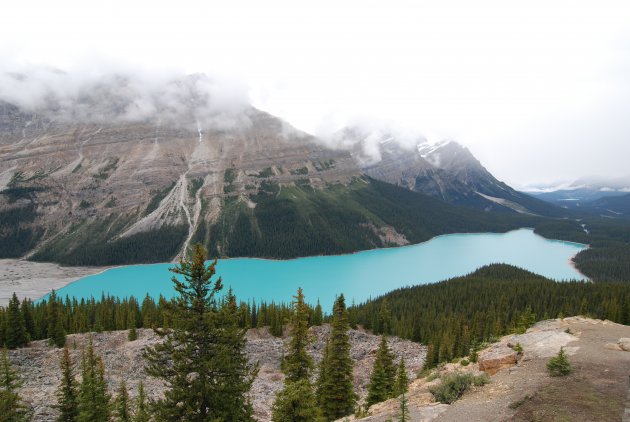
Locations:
{"points": [[67, 394], [202, 358], [93, 397], [401, 385], [121, 404], [336, 391], [141, 412], [11, 406], [296, 402], [381, 384], [16, 330]]}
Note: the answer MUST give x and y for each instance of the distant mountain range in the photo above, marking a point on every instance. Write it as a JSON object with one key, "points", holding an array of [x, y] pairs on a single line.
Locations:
{"points": [[604, 197], [104, 178]]}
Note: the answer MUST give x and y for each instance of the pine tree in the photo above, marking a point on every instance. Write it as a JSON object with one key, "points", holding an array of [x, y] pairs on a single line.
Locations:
{"points": [[132, 335], [56, 332], [296, 402], [237, 375], [93, 398], [298, 363], [321, 382], [202, 358], [16, 331], [401, 385], [142, 412], [27, 314], [404, 409], [381, 384], [121, 404], [11, 406], [67, 394], [559, 365], [336, 395], [318, 315]]}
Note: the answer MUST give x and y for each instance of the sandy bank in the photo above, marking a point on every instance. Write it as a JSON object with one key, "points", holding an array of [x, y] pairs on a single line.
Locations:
{"points": [[35, 279]]}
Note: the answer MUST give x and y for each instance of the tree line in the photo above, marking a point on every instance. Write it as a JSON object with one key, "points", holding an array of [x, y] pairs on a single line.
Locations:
{"points": [[53, 318], [453, 317]]}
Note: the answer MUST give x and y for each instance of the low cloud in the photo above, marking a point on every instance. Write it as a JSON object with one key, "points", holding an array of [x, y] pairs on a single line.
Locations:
{"points": [[126, 95]]}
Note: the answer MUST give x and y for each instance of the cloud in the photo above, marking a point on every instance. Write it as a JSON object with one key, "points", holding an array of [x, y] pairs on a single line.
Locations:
{"points": [[114, 93]]}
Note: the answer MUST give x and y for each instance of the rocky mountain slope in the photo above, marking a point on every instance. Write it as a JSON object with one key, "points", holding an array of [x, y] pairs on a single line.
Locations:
{"points": [[446, 170], [39, 364], [112, 174]]}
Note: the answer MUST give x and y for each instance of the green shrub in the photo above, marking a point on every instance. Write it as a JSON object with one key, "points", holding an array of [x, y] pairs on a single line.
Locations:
{"points": [[559, 365], [464, 362], [454, 386]]}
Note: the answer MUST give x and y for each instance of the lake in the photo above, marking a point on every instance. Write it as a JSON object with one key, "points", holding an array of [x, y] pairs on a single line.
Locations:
{"points": [[358, 276]]}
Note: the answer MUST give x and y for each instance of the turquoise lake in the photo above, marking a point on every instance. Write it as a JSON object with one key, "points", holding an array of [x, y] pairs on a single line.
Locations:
{"points": [[358, 276]]}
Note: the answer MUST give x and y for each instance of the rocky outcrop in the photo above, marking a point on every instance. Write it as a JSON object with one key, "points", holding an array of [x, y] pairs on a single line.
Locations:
{"points": [[38, 364], [497, 357], [624, 344]]}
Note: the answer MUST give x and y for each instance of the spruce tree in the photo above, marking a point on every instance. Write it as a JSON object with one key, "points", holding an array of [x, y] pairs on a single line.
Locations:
{"points": [[29, 323], [93, 397], [559, 365], [336, 393], [67, 394], [11, 406], [132, 335], [202, 358], [381, 384], [401, 385], [322, 374], [142, 412], [121, 404], [56, 332], [318, 315], [296, 402], [404, 409], [298, 363], [16, 331]]}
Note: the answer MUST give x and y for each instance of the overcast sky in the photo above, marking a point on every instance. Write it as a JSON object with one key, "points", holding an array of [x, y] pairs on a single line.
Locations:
{"points": [[538, 90]]}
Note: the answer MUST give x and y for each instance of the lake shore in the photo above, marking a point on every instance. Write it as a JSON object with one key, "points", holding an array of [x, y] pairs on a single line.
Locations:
{"points": [[36, 279]]}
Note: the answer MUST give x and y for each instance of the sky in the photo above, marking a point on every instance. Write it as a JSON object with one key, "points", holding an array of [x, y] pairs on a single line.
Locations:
{"points": [[539, 91]]}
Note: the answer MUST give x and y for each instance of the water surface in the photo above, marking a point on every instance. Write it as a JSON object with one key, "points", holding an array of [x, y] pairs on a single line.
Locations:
{"points": [[358, 276]]}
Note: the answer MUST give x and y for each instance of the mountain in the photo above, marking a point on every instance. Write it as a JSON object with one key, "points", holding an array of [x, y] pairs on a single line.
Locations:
{"points": [[599, 196], [610, 206], [113, 175], [445, 170]]}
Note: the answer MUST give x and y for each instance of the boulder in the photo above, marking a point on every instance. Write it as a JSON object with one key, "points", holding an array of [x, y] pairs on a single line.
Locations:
{"points": [[613, 346], [624, 343], [497, 357]]}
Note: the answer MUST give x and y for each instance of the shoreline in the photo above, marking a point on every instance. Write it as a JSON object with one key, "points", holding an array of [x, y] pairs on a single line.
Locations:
{"points": [[36, 279]]}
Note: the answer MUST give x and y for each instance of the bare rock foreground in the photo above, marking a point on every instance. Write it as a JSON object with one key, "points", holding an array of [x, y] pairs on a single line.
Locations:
{"points": [[38, 364], [520, 388]]}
